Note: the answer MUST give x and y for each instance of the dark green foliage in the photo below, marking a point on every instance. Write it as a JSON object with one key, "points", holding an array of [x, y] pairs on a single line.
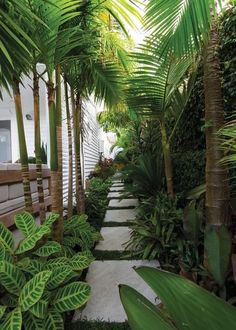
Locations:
{"points": [[189, 134], [228, 58], [113, 255], [157, 236], [97, 325], [97, 201], [146, 176], [189, 170], [104, 169]]}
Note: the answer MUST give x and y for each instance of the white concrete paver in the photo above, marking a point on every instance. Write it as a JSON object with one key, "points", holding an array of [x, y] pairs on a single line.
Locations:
{"points": [[114, 238], [115, 203], [120, 215], [104, 278]]}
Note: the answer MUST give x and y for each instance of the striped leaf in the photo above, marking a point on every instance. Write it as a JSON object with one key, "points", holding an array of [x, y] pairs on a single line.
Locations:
{"points": [[59, 274], [79, 262], [48, 249], [54, 321], [13, 320], [30, 266], [11, 277], [6, 238], [26, 223], [33, 290], [72, 296], [88, 254], [29, 242], [75, 221], [52, 263], [2, 311], [32, 323], [41, 307], [51, 219], [2, 252]]}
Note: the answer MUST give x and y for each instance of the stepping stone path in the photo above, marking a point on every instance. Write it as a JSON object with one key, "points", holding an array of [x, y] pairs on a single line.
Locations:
{"points": [[105, 276]]}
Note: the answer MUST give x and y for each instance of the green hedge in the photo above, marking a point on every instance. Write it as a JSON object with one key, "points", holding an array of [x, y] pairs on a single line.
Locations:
{"points": [[189, 170]]}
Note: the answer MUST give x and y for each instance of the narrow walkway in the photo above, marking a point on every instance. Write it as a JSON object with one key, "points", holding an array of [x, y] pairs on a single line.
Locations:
{"points": [[105, 276]]}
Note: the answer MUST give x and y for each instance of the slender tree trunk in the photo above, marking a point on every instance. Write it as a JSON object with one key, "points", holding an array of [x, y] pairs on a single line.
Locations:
{"points": [[56, 206], [37, 139], [22, 147], [70, 162], [167, 160], [80, 198], [217, 185]]}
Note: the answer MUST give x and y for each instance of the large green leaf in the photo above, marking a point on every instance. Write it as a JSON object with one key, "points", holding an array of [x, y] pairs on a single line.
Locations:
{"points": [[13, 320], [2, 252], [11, 277], [41, 307], [31, 266], [52, 263], [33, 290], [2, 310], [142, 314], [32, 323], [54, 321], [48, 249], [29, 242], [51, 219], [79, 262], [26, 223], [6, 238], [72, 296], [59, 274], [218, 247], [190, 306], [192, 221]]}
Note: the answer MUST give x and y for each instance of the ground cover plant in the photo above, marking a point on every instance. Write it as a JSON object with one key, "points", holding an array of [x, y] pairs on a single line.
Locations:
{"points": [[39, 278]]}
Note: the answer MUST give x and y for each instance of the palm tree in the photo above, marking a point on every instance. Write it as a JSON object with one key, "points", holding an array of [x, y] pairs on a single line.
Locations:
{"points": [[186, 28], [158, 90], [15, 45]]}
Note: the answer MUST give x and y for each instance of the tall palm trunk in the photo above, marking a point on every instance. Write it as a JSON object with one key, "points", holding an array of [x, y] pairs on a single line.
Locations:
{"points": [[80, 198], [70, 161], [217, 186], [217, 237], [22, 147], [37, 141], [56, 206], [167, 159]]}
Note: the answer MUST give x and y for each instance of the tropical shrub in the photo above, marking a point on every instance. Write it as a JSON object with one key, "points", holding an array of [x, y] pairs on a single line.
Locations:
{"points": [[186, 305], [145, 176], [96, 201], [104, 169], [158, 235], [37, 285]]}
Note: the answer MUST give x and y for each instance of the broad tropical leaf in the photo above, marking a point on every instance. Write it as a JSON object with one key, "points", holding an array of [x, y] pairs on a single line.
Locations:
{"points": [[32, 323], [31, 266], [52, 263], [40, 308], [54, 321], [205, 311], [2, 310], [29, 242], [72, 296], [59, 274], [142, 314], [33, 290], [51, 219], [11, 277], [48, 249], [2, 252], [6, 238], [26, 223], [13, 320], [79, 262]]}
